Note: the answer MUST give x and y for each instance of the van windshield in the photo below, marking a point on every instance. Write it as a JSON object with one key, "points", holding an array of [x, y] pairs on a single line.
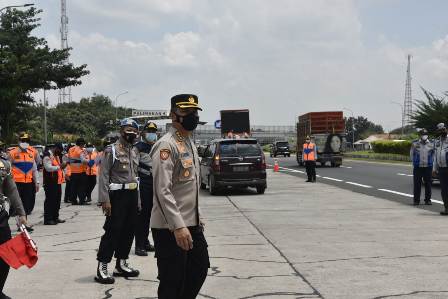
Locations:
{"points": [[237, 149], [282, 144]]}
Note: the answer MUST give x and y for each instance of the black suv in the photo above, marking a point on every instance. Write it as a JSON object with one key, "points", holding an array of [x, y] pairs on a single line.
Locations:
{"points": [[280, 148], [233, 163]]}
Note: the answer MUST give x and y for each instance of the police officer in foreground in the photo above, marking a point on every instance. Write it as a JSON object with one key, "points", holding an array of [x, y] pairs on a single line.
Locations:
{"points": [[118, 195], [149, 137], [9, 201], [177, 229], [422, 156], [441, 163]]}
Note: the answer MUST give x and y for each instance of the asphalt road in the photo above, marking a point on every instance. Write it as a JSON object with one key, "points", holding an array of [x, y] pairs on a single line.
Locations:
{"points": [[391, 181]]}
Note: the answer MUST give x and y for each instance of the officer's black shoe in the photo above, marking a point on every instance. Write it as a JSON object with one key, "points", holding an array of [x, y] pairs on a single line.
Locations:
{"points": [[66, 200], [444, 213], [89, 199], [416, 203], [102, 275], [122, 269], [50, 222], [428, 203], [308, 181], [84, 203], [74, 202], [60, 221], [140, 251], [3, 296], [29, 228], [149, 247]]}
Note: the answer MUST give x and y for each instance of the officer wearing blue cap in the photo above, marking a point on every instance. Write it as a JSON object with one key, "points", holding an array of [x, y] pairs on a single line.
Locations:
{"points": [[118, 196]]}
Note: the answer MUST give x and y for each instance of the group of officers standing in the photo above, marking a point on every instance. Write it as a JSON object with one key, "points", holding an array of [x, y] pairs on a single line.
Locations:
{"points": [[149, 185], [430, 159]]}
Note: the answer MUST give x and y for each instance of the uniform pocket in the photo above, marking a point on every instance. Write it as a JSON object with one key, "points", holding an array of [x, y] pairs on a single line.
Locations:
{"points": [[186, 171]]}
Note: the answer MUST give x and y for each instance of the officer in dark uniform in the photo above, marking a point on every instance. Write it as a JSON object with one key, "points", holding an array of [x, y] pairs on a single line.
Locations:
{"points": [[149, 137], [118, 195], [9, 201], [177, 229], [440, 166]]}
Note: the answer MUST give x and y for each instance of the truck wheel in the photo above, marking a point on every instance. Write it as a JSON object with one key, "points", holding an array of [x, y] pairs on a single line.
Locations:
{"points": [[261, 189], [289, 155], [212, 185]]}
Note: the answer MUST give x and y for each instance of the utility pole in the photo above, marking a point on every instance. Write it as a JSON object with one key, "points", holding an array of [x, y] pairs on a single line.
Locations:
{"points": [[45, 118], [408, 102], [65, 94], [353, 127]]}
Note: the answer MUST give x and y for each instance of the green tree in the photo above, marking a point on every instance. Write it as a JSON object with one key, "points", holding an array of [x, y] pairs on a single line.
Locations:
{"points": [[431, 112], [362, 128], [27, 65]]}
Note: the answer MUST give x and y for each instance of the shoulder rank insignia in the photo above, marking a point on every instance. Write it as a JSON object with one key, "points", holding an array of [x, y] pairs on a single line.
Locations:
{"points": [[164, 154]]}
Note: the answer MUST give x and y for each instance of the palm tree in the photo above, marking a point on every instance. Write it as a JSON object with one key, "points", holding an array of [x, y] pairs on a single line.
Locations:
{"points": [[430, 113]]}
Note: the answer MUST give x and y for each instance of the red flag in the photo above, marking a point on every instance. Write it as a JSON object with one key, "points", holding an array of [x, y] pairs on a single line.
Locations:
{"points": [[19, 251]]}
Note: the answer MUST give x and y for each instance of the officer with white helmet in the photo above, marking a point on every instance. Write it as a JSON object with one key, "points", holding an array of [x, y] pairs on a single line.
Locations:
{"points": [[422, 156], [119, 198]]}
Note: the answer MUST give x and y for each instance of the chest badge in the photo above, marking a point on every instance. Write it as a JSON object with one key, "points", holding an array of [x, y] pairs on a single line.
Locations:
{"points": [[186, 173]]}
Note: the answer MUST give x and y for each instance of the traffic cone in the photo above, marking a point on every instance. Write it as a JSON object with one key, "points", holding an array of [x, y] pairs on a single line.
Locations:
{"points": [[276, 167]]}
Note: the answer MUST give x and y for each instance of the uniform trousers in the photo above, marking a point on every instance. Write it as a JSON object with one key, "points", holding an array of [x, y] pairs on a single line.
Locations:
{"points": [[144, 217], [5, 235], [78, 187], [27, 192], [90, 185], [119, 227], [310, 167], [68, 190], [443, 177], [181, 273], [52, 203], [419, 174]]}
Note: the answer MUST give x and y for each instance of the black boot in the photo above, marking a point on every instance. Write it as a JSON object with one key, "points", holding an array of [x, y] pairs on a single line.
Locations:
{"points": [[123, 269], [102, 275], [140, 251], [149, 247]]}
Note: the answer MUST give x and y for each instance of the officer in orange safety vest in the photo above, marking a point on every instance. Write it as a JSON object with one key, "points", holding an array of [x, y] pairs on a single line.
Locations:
{"points": [[78, 173], [53, 173], [309, 156], [89, 159], [24, 171]]}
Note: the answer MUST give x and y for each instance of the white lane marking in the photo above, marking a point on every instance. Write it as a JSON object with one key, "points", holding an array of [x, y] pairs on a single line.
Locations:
{"points": [[359, 185], [396, 192], [332, 179], [408, 195], [349, 167], [404, 174]]}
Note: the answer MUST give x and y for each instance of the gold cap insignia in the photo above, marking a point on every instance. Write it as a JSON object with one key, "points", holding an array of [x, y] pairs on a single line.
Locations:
{"points": [[191, 99]]}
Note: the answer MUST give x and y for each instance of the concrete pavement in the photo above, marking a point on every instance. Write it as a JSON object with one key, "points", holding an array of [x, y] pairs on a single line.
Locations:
{"points": [[299, 240]]}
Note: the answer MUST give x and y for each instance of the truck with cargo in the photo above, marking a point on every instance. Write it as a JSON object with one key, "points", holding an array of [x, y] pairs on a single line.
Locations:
{"points": [[235, 123], [327, 131]]}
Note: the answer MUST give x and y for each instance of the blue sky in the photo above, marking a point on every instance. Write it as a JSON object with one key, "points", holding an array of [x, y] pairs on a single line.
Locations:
{"points": [[278, 58]]}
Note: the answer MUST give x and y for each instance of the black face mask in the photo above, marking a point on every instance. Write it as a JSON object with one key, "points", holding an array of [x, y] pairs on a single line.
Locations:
{"points": [[130, 137], [189, 122]]}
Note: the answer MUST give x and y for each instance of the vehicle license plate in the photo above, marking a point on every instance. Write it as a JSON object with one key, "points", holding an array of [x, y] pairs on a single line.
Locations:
{"points": [[241, 168]]}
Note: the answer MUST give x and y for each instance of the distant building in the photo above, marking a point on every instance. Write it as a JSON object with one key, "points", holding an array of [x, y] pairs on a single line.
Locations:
{"points": [[366, 144]]}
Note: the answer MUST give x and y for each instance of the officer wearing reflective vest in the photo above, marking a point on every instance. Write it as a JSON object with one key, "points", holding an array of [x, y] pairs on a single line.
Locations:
{"points": [[440, 166], [9, 202], [118, 195], [89, 159], [176, 224], [78, 175], [53, 173], [309, 156], [148, 138], [24, 171], [422, 156]]}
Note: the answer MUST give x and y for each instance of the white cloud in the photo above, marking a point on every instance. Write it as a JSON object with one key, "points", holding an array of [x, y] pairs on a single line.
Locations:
{"points": [[277, 58]]}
